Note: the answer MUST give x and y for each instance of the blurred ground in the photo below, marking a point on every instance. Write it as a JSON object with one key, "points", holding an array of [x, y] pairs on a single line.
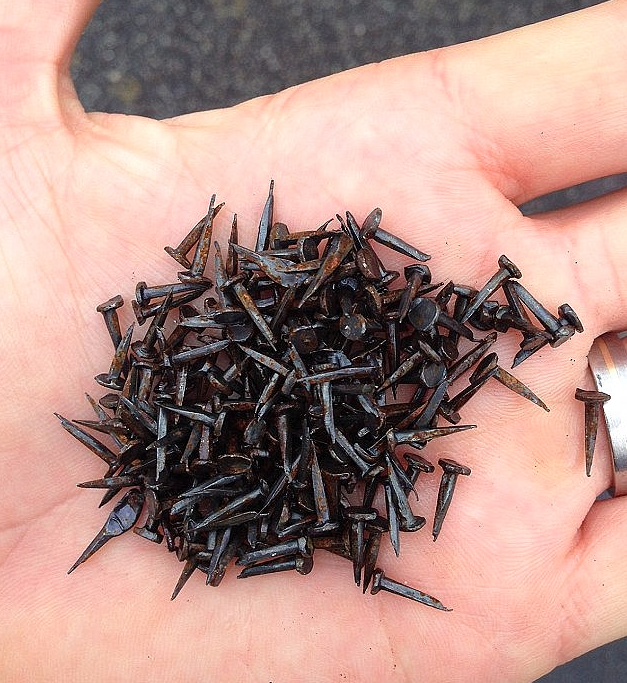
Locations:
{"points": [[161, 58]]}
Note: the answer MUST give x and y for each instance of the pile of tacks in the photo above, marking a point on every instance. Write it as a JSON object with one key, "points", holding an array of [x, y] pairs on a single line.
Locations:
{"points": [[263, 423]]}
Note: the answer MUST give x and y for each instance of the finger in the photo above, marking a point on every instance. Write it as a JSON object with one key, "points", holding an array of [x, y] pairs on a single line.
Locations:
{"points": [[586, 244], [595, 596], [38, 39], [42, 30], [545, 106]]}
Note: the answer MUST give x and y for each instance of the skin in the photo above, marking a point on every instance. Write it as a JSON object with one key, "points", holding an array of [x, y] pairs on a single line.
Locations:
{"points": [[447, 143]]}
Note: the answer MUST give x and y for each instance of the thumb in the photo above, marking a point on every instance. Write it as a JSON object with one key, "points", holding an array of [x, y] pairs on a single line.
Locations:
{"points": [[595, 598], [38, 40]]}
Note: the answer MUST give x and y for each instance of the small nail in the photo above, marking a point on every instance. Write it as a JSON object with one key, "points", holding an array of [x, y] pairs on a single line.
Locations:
{"points": [[122, 518], [303, 565], [110, 315], [358, 517], [88, 440], [593, 400], [302, 546], [381, 582], [506, 271], [450, 471], [266, 220]]}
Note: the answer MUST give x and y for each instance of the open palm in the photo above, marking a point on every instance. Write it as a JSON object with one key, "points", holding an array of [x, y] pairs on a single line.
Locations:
{"points": [[447, 144]]}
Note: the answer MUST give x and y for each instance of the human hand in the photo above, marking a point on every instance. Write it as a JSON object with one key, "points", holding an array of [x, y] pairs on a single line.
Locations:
{"points": [[447, 143]]}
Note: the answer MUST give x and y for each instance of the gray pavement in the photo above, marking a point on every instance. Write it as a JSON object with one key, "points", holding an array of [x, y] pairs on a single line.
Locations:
{"points": [[161, 58]]}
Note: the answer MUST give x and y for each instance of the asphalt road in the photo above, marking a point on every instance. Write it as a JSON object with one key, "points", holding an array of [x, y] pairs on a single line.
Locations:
{"points": [[161, 58]]}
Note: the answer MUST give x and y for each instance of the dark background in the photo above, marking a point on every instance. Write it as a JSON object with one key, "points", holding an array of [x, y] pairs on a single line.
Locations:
{"points": [[161, 58]]}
